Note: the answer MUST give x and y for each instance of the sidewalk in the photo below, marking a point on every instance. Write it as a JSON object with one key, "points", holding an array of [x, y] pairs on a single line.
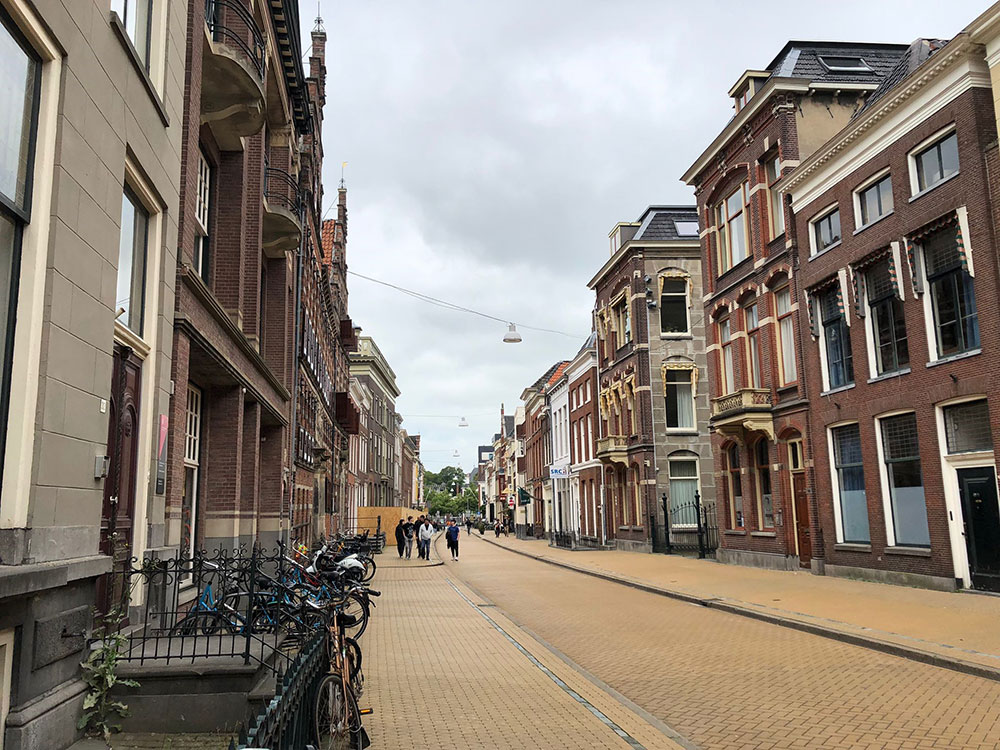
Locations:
{"points": [[955, 630]]}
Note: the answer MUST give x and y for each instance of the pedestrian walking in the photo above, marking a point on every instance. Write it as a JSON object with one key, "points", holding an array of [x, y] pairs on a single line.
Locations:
{"points": [[468, 526], [409, 531], [416, 535], [426, 534], [496, 529], [400, 538], [451, 534]]}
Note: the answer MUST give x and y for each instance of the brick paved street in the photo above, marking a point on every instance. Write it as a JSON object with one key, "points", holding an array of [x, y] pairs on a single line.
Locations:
{"points": [[720, 680]]}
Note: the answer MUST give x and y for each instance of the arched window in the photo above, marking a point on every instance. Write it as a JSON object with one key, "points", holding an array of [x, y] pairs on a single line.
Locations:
{"points": [[765, 499], [735, 487]]}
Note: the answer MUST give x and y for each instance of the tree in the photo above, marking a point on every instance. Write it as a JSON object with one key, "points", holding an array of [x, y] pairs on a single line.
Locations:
{"points": [[445, 480]]}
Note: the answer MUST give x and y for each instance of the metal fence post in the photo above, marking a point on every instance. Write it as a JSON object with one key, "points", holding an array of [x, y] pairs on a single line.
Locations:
{"points": [[666, 526], [247, 624], [701, 526], [652, 531]]}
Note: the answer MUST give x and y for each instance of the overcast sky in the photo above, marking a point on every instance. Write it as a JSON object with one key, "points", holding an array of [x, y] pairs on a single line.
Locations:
{"points": [[492, 146]]}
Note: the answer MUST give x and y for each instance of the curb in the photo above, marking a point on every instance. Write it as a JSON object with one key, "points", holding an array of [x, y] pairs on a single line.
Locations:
{"points": [[874, 644]]}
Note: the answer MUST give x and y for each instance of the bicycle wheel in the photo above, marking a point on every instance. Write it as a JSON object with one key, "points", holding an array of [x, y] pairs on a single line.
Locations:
{"points": [[205, 622], [369, 569], [338, 720], [352, 652], [357, 607]]}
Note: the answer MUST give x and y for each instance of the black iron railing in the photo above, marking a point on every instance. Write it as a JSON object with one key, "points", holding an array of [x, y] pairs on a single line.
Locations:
{"points": [[230, 22], [691, 526], [209, 606], [281, 189], [288, 722]]}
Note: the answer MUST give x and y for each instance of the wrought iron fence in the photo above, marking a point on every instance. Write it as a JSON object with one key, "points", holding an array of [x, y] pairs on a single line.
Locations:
{"points": [[224, 604], [230, 22], [288, 722], [691, 526]]}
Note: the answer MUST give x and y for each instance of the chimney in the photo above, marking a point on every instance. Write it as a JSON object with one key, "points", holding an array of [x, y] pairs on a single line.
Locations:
{"points": [[317, 59]]}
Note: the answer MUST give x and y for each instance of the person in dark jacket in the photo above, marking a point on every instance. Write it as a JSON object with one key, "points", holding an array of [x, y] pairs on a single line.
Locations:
{"points": [[451, 534], [400, 538]]}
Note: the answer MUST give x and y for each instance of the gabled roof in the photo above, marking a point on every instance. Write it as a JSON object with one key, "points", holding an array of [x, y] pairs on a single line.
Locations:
{"points": [[912, 59], [551, 375]]}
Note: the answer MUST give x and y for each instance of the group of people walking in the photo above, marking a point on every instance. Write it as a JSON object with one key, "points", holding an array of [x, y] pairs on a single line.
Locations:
{"points": [[407, 531]]}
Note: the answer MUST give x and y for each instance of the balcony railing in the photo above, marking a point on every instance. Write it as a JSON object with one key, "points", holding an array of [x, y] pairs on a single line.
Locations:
{"points": [[743, 400], [232, 24], [613, 449], [282, 190]]}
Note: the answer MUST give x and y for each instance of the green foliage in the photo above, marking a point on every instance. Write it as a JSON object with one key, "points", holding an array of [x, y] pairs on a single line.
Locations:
{"points": [[445, 480], [100, 671]]}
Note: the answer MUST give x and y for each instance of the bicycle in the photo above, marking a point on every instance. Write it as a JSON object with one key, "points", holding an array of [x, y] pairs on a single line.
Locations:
{"points": [[338, 717]]}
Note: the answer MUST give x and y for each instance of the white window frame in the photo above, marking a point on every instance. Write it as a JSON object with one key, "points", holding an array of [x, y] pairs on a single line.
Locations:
{"points": [[883, 475], [870, 335], [814, 249], [856, 198], [691, 372], [686, 333], [193, 415], [726, 261], [753, 336], [793, 306], [835, 481], [696, 478], [203, 205], [911, 161], [727, 369], [776, 209], [156, 67]]}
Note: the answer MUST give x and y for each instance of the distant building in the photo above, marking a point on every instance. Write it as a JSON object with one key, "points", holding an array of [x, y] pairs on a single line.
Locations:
{"points": [[370, 368]]}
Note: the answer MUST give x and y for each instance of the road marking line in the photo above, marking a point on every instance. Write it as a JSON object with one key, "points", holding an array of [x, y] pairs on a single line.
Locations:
{"points": [[632, 741]]}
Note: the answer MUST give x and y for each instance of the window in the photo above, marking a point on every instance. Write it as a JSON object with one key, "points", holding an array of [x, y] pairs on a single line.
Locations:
{"points": [[674, 305], [753, 344], [837, 340], [735, 487], [731, 230], [192, 455], [765, 500], [795, 455], [727, 372], [850, 484], [743, 97], [936, 163], [773, 168], [826, 231], [686, 228], [841, 64], [786, 333], [680, 399], [875, 201], [136, 17], [623, 322], [888, 325], [683, 486], [202, 205], [967, 427], [953, 299], [906, 487], [130, 298], [19, 97]]}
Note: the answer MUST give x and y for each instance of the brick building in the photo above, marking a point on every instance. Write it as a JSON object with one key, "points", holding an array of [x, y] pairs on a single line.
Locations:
{"points": [[371, 370], [358, 456], [585, 468], [652, 414], [751, 294], [538, 455], [902, 334]]}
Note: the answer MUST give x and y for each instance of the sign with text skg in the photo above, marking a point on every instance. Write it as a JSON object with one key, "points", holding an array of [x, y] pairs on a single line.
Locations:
{"points": [[558, 472]]}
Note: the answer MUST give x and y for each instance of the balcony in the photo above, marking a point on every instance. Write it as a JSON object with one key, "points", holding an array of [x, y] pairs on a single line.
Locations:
{"points": [[232, 73], [743, 411], [613, 449], [281, 230]]}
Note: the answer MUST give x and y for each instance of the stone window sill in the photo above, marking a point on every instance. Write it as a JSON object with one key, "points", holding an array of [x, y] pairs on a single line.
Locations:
{"points": [[889, 375], [735, 532], [838, 389], [849, 547], [766, 534], [909, 551], [926, 190], [955, 357]]}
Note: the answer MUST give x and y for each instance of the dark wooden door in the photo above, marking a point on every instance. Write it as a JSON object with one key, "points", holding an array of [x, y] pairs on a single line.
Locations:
{"points": [[120, 483], [978, 489], [802, 519]]}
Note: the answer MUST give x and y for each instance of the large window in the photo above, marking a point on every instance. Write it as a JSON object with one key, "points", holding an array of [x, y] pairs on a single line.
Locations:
{"points": [[680, 399], [192, 461], [731, 223], [786, 333], [752, 322], [130, 299], [953, 298], [735, 487], [967, 427], [20, 71], [674, 306], [773, 169], [623, 321], [850, 476], [901, 453], [727, 372], [683, 486], [826, 231], [137, 18], [202, 206], [936, 163], [888, 325], [875, 201], [836, 340], [765, 497]]}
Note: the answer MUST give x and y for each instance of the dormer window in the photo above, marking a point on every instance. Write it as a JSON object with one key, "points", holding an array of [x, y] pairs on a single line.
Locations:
{"points": [[616, 240], [743, 97], [843, 64]]}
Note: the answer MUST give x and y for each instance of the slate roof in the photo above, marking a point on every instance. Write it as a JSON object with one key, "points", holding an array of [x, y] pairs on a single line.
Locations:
{"points": [[508, 426], [800, 59], [915, 56], [658, 223]]}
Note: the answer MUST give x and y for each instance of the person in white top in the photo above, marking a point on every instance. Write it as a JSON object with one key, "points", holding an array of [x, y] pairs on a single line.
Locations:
{"points": [[426, 534]]}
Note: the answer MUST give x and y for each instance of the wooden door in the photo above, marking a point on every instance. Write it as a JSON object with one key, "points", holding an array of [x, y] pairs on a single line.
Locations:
{"points": [[120, 483], [802, 519]]}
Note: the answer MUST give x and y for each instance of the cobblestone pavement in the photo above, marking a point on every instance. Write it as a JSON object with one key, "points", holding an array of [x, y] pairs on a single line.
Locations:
{"points": [[953, 625], [725, 681], [439, 674]]}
